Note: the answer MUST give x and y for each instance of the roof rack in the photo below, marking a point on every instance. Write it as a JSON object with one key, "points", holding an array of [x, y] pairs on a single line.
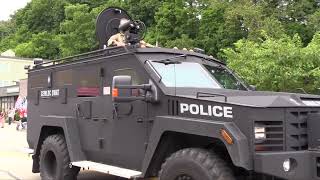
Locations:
{"points": [[93, 54], [117, 50]]}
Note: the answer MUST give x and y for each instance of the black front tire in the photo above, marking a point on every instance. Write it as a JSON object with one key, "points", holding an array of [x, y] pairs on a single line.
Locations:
{"points": [[55, 160], [195, 164]]}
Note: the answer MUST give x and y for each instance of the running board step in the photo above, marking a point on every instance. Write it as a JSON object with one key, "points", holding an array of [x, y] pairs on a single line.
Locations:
{"points": [[113, 170]]}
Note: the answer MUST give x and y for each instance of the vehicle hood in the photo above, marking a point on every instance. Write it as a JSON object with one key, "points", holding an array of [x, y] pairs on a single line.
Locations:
{"points": [[251, 98]]}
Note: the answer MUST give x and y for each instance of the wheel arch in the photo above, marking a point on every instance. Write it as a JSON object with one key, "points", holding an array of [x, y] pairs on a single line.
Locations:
{"points": [[202, 164], [171, 142], [45, 132], [203, 133], [59, 125]]}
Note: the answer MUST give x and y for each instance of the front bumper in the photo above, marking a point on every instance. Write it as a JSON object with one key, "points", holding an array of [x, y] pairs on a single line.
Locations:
{"points": [[307, 166]]}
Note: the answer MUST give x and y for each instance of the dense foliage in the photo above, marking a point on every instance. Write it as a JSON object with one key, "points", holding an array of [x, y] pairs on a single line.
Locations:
{"points": [[273, 44], [278, 64]]}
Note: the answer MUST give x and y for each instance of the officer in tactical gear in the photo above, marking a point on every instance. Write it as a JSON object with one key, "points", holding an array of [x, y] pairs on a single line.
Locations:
{"points": [[120, 38]]}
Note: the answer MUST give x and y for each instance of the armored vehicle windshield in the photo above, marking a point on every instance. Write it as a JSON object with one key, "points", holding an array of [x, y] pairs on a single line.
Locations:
{"points": [[192, 74]]}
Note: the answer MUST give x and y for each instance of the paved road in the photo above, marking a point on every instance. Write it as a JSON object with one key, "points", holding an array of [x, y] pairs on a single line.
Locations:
{"points": [[15, 163]]}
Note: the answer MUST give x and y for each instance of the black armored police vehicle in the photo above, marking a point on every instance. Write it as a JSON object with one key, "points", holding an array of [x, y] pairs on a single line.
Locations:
{"points": [[154, 112]]}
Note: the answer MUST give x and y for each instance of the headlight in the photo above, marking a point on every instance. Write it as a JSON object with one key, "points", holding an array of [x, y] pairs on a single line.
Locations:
{"points": [[289, 164], [286, 165], [260, 133]]}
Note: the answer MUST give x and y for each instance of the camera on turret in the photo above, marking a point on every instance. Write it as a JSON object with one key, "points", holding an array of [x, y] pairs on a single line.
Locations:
{"points": [[132, 31]]}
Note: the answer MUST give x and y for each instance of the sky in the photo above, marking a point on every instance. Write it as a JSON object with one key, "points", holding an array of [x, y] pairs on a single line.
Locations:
{"points": [[8, 7]]}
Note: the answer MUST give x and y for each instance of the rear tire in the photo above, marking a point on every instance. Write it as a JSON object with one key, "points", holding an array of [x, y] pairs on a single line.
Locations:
{"points": [[195, 164], [55, 160]]}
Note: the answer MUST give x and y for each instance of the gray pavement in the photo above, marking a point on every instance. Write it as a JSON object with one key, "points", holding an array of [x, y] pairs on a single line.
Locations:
{"points": [[15, 164]]}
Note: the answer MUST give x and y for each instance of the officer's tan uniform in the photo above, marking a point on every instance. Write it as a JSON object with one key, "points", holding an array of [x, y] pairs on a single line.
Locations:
{"points": [[117, 40], [120, 40]]}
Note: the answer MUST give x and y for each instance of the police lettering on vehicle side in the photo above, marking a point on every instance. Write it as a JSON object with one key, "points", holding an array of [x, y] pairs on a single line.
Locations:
{"points": [[216, 111]]}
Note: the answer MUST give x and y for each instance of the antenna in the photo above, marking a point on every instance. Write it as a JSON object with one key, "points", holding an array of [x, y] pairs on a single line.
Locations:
{"points": [[157, 38]]}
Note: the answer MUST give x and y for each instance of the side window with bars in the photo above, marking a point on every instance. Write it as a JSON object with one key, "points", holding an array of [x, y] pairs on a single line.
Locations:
{"points": [[87, 81], [63, 78]]}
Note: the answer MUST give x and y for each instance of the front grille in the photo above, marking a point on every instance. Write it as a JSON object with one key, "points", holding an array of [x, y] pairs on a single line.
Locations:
{"points": [[274, 136], [296, 130], [292, 135]]}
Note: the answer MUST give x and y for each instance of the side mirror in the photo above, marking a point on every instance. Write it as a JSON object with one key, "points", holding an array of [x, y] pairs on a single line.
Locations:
{"points": [[253, 88], [122, 90]]}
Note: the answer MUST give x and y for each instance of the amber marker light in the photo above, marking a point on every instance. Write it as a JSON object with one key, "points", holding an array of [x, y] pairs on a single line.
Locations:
{"points": [[226, 136], [115, 92]]}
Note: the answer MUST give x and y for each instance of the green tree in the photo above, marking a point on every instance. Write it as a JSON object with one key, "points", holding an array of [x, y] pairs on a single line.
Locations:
{"points": [[277, 64], [6, 28], [21, 35], [174, 19], [143, 10], [215, 33], [77, 30], [41, 45], [41, 15], [314, 21], [295, 15], [183, 42]]}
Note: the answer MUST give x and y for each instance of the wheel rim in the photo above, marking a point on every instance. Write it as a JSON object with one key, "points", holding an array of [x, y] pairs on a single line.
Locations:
{"points": [[184, 177], [50, 164]]}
